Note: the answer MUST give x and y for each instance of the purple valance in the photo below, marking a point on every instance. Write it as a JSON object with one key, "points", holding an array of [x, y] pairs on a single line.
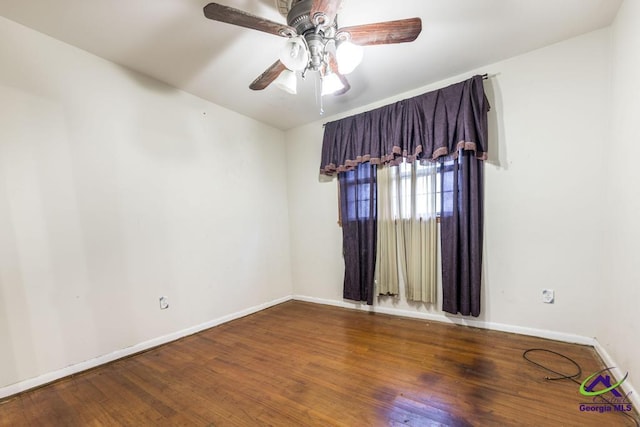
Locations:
{"points": [[424, 127]]}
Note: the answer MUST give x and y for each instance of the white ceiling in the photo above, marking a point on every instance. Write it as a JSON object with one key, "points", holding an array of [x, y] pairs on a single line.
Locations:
{"points": [[172, 41]]}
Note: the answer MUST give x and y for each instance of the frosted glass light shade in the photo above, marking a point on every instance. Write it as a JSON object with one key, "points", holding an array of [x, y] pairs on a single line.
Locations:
{"points": [[331, 83], [294, 54], [287, 81], [349, 56]]}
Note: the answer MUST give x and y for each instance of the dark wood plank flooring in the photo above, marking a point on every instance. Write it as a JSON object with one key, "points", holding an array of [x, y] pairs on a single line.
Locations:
{"points": [[302, 364]]}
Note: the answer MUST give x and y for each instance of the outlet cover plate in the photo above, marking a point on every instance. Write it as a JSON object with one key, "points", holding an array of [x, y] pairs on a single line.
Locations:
{"points": [[548, 296], [164, 303]]}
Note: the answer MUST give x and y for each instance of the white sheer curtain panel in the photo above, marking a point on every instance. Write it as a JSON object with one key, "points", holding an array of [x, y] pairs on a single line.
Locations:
{"points": [[407, 230], [387, 274]]}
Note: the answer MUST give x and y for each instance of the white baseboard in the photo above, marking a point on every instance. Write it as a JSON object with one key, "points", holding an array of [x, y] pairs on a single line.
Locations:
{"points": [[41, 380], [458, 320]]}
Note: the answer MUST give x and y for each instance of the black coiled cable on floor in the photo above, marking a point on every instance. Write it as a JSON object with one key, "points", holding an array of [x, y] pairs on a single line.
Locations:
{"points": [[560, 376]]}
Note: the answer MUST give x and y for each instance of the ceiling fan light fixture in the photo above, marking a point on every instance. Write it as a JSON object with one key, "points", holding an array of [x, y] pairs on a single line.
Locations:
{"points": [[294, 54], [288, 82], [313, 37], [349, 56], [331, 83]]}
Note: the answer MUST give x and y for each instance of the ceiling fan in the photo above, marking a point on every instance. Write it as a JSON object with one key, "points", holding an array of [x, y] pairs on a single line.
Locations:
{"points": [[315, 42]]}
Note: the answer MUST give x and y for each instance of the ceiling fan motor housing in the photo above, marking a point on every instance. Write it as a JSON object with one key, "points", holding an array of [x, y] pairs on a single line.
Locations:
{"points": [[299, 18], [314, 30]]}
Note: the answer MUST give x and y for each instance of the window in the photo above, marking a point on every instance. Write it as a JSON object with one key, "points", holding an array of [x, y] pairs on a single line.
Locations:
{"points": [[359, 192], [359, 188], [417, 202], [425, 181], [418, 208]]}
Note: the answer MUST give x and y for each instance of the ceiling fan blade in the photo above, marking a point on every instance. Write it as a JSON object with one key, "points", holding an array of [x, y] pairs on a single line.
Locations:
{"points": [[227, 14], [333, 65], [329, 8], [269, 75], [401, 31]]}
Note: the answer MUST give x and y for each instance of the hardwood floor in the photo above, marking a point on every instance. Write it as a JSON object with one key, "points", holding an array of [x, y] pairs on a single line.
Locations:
{"points": [[301, 364]]}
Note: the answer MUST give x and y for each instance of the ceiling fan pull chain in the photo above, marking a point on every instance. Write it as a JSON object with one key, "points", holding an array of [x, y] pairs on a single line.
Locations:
{"points": [[318, 89]]}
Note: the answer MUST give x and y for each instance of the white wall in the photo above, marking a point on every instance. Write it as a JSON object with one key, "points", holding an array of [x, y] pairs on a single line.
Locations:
{"points": [[617, 310], [543, 203], [116, 189]]}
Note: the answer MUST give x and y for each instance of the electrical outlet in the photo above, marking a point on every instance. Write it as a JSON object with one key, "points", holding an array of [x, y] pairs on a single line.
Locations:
{"points": [[164, 303], [548, 296]]}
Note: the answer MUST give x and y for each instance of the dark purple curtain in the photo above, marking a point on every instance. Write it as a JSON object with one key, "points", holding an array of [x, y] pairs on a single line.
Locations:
{"points": [[424, 127], [359, 214], [448, 125], [461, 225], [461, 212]]}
